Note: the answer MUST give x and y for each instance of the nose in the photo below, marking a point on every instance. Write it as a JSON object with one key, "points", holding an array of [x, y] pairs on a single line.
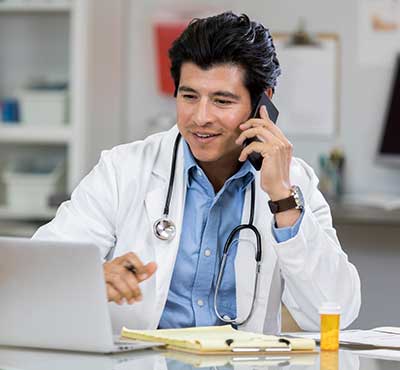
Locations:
{"points": [[202, 113]]}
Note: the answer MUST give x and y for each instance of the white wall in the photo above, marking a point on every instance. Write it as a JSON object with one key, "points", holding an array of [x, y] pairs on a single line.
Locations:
{"points": [[363, 91]]}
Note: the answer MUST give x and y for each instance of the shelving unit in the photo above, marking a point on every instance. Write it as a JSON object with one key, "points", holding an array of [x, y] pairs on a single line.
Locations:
{"points": [[34, 135], [31, 7], [81, 41], [48, 39]]}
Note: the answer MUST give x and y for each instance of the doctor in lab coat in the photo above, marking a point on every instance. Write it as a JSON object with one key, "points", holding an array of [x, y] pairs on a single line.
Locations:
{"points": [[117, 203]]}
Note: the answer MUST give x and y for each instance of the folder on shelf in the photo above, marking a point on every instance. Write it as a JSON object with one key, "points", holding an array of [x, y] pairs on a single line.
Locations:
{"points": [[214, 340]]}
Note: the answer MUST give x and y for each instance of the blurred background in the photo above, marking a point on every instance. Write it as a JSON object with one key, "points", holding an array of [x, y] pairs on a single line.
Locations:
{"points": [[81, 76]]}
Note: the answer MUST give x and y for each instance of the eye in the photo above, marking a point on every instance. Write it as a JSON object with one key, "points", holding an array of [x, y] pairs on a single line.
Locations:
{"points": [[189, 96], [223, 102]]}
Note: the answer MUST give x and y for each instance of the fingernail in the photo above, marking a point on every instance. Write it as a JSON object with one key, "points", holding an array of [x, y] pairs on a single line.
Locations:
{"points": [[143, 276], [123, 301], [131, 301], [139, 298]]}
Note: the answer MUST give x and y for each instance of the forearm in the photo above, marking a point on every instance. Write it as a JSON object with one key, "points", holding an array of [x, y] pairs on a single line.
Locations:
{"points": [[316, 270]]}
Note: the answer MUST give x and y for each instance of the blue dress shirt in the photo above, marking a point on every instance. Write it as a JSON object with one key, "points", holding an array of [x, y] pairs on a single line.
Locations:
{"points": [[208, 220]]}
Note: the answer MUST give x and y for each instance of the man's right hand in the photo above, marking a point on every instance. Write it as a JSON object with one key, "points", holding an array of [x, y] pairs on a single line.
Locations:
{"points": [[122, 284]]}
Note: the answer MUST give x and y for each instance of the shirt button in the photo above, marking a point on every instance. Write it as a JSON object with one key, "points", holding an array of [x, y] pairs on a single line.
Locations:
{"points": [[200, 302], [207, 253], [226, 317]]}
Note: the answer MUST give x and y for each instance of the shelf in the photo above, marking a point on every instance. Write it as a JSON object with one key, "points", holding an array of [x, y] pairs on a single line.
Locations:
{"points": [[11, 214], [18, 228], [39, 7], [343, 213], [34, 134]]}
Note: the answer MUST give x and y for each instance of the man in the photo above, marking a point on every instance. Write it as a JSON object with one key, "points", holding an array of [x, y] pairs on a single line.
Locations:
{"points": [[220, 65]]}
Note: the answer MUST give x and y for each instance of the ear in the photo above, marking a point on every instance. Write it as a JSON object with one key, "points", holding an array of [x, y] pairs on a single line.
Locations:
{"points": [[269, 92]]}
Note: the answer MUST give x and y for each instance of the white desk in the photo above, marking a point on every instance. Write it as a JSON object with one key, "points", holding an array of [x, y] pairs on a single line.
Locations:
{"points": [[28, 359]]}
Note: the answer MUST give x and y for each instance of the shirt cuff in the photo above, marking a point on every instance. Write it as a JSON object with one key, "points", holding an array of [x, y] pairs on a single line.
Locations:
{"points": [[283, 234]]}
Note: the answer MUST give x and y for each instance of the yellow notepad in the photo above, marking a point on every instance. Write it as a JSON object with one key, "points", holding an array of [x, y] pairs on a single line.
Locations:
{"points": [[221, 340]]}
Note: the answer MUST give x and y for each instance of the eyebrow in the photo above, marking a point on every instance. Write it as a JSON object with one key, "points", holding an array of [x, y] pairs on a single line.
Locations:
{"points": [[225, 94]]}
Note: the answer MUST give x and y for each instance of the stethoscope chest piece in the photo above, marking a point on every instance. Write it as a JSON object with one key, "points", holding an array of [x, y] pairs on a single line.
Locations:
{"points": [[164, 228]]}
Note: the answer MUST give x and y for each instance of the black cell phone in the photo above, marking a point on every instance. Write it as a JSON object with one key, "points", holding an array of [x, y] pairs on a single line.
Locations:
{"points": [[256, 158]]}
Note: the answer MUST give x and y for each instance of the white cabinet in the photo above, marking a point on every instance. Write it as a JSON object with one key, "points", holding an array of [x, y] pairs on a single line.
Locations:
{"points": [[61, 40]]}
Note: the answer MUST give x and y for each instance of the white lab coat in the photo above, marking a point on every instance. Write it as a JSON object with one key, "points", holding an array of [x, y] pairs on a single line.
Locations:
{"points": [[117, 203]]}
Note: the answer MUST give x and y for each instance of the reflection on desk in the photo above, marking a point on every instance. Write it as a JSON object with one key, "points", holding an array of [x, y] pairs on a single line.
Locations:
{"points": [[29, 359]]}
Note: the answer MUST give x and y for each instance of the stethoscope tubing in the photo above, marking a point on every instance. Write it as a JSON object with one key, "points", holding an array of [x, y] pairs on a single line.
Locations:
{"points": [[164, 229]]}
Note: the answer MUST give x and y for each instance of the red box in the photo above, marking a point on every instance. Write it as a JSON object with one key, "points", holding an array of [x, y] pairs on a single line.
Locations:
{"points": [[165, 34]]}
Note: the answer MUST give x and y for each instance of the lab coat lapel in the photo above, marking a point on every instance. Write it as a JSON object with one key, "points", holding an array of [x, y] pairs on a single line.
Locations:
{"points": [[166, 251], [245, 261]]}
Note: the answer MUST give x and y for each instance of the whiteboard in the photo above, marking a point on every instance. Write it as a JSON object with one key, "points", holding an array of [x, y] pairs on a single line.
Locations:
{"points": [[306, 94]]}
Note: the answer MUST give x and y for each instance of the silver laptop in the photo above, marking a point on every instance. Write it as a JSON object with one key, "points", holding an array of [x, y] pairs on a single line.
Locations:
{"points": [[53, 295]]}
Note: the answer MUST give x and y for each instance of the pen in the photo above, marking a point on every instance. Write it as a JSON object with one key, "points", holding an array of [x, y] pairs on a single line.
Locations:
{"points": [[131, 268], [272, 348]]}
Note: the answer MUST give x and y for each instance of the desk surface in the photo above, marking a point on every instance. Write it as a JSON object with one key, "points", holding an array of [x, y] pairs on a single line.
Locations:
{"points": [[27, 359], [344, 213]]}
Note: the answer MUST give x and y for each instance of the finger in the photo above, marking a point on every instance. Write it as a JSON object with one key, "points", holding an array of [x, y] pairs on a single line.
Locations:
{"points": [[133, 284], [260, 132], [254, 147], [266, 150], [253, 122], [267, 123], [112, 294], [274, 128], [288, 147], [121, 285], [131, 259], [150, 268], [264, 113]]}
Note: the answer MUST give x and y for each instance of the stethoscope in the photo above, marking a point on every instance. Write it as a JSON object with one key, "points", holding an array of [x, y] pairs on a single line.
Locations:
{"points": [[165, 229]]}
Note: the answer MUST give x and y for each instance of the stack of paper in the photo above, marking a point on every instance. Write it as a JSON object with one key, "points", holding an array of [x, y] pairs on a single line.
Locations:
{"points": [[221, 340], [382, 337]]}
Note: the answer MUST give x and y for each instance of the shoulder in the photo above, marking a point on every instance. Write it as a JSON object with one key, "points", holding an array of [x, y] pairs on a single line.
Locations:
{"points": [[140, 151]]}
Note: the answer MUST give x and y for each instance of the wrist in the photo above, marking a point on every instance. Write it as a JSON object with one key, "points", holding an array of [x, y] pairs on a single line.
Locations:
{"points": [[287, 218], [280, 194], [294, 201]]}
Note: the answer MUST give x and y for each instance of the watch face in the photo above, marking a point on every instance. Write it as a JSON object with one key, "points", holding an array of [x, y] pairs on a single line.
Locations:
{"points": [[298, 197]]}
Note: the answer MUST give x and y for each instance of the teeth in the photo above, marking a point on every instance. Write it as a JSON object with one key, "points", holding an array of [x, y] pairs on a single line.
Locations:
{"points": [[204, 136]]}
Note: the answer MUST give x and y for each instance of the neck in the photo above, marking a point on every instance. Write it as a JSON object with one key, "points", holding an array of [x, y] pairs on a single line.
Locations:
{"points": [[219, 171]]}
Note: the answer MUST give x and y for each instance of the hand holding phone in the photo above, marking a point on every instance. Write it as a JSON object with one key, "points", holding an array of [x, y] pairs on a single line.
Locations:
{"points": [[256, 158]]}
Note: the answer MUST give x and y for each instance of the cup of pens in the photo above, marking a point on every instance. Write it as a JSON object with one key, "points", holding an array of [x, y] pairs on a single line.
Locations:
{"points": [[330, 324]]}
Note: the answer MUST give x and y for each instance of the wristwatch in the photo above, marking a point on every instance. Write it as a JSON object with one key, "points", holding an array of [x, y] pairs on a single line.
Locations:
{"points": [[295, 200]]}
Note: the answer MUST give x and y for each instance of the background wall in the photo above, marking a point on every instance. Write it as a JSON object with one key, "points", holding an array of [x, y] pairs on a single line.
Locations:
{"points": [[363, 96], [363, 91]]}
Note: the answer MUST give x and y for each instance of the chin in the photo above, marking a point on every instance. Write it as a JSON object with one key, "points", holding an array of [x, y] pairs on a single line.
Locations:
{"points": [[201, 156]]}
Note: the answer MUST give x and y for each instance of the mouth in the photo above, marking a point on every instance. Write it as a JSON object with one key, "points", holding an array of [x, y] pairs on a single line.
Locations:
{"points": [[205, 137]]}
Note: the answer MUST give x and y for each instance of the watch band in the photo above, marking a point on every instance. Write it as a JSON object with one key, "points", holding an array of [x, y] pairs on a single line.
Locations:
{"points": [[295, 200], [282, 204]]}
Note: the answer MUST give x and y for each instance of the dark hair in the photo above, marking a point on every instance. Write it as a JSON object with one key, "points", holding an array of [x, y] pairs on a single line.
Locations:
{"points": [[228, 38]]}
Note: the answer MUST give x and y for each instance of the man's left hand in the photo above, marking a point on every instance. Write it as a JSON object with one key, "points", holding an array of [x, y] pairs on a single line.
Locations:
{"points": [[276, 151]]}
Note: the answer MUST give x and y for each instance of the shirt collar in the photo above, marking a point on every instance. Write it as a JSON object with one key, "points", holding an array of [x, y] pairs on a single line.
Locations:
{"points": [[247, 171]]}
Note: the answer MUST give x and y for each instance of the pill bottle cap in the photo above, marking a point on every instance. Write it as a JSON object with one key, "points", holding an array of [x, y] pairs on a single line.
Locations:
{"points": [[330, 308]]}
